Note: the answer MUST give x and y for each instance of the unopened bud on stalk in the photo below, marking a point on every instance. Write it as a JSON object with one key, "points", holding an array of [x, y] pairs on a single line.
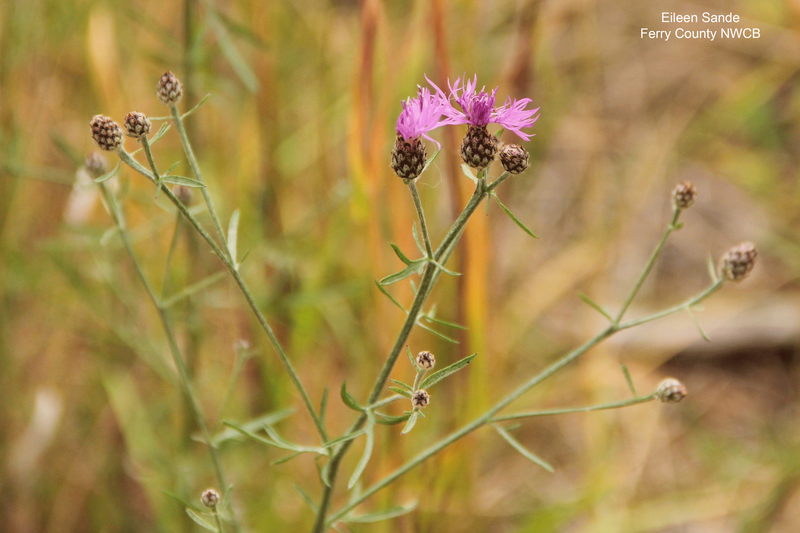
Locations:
{"points": [[408, 157], [738, 262], [684, 195], [106, 133], [671, 390], [184, 194], [210, 498], [169, 89], [95, 164], [420, 399], [426, 360], [479, 147], [514, 158], [137, 124], [242, 345]]}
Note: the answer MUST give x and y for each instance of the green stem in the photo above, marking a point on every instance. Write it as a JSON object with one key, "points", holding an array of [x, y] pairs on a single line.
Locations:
{"points": [[173, 244], [412, 186], [670, 228], [218, 521], [183, 373], [717, 285], [127, 159], [550, 412], [149, 154], [187, 148]]}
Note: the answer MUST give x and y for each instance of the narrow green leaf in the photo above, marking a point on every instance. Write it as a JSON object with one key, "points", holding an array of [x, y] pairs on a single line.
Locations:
{"points": [[678, 226], [384, 291], [193, 289], [362, 464], [285, 459], [175, 164], [468, 173], [499, 132], [306, 498], [431, 160], [108, 175], [323, 406], [597, 307], [412, 421], [521, 449], [348, 400], [251, 425], [160, 133], [417, 239], [226, 498], [400, 391], [511, 215], [629, 380], [697, 324], [345, 438], [440, 335], [233, 235], [183, 180], [443, 322], [277, 441], [443, 269], [412, 359], [407, 387], [400, 254], [388, 420], [180, 500], [231, 53], [712, 269], [195, 108], [378, 516], [439, 375], [414, 268], [199, 521]]}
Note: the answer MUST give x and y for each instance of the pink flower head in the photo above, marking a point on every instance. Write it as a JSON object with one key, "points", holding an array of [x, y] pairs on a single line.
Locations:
{"points": [[477, 109], [422, 114]]}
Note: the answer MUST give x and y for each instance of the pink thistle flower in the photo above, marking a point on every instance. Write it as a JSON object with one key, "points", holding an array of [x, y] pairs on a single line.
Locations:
{"points": [[478, 109], [422, 114]]}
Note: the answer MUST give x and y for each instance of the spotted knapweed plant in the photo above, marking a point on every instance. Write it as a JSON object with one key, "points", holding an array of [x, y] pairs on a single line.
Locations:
{"points": [[432, 108]]}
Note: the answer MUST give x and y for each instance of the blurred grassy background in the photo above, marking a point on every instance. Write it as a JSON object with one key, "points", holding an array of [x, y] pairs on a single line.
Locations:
{"points": [[297, 135]]}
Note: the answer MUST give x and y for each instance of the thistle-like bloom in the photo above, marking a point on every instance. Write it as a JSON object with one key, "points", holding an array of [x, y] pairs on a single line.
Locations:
{"points": [[478, 109], [419, 116]]}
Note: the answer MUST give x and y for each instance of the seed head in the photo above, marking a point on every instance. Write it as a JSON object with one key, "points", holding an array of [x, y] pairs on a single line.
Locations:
{"points": [[738, 262], [514, 158], [106, 133], [169, 89], [210, 498], [671, 390], [479, 147], [420, 399], [426, 360], [408, 157], [95, 164], [184, 194], [684, 195], [137, 124]]}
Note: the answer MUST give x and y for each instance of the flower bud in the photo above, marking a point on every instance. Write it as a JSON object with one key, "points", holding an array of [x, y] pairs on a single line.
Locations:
{"points": [[95, 164], [184, 194], [684, 195], [169, 89], [426, 360], [479, 147], [137, 124], [738, 262], [671, 390], [106, 133], [420, 399], [210, 498], [514, 158], [408, 157]]}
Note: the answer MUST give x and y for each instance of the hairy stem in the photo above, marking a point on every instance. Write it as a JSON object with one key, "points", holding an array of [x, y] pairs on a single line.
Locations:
{"points": [[412, 186]]}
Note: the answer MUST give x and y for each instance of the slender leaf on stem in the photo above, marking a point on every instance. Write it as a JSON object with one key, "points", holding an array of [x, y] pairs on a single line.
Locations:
{"points": [[511, 215], [412, 421], [712, 269], [108, 175], [195, 108], [179, 499], [521, 449], [231, 53], [431, 160], [402, 392], [193, 289], [286, 459], [400, 254], [171, 168], [348, 400], [200, 521], [306, 498], [416, 238], [345, 438], [407, 387], [697, 324], [159, 134], [440, 335], [443, 322], [378, 516], [384, 291], [597, 307], [388, 420], [443, 269], [468, 173], [412, 359], [414, 268], [629, 380], [323, 406], [439, 375], [233, 234], [362, 464], [183, 180]]}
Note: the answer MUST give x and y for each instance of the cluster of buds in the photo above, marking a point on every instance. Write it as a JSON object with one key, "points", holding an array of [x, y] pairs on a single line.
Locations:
{"points": [[671, 391]]}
